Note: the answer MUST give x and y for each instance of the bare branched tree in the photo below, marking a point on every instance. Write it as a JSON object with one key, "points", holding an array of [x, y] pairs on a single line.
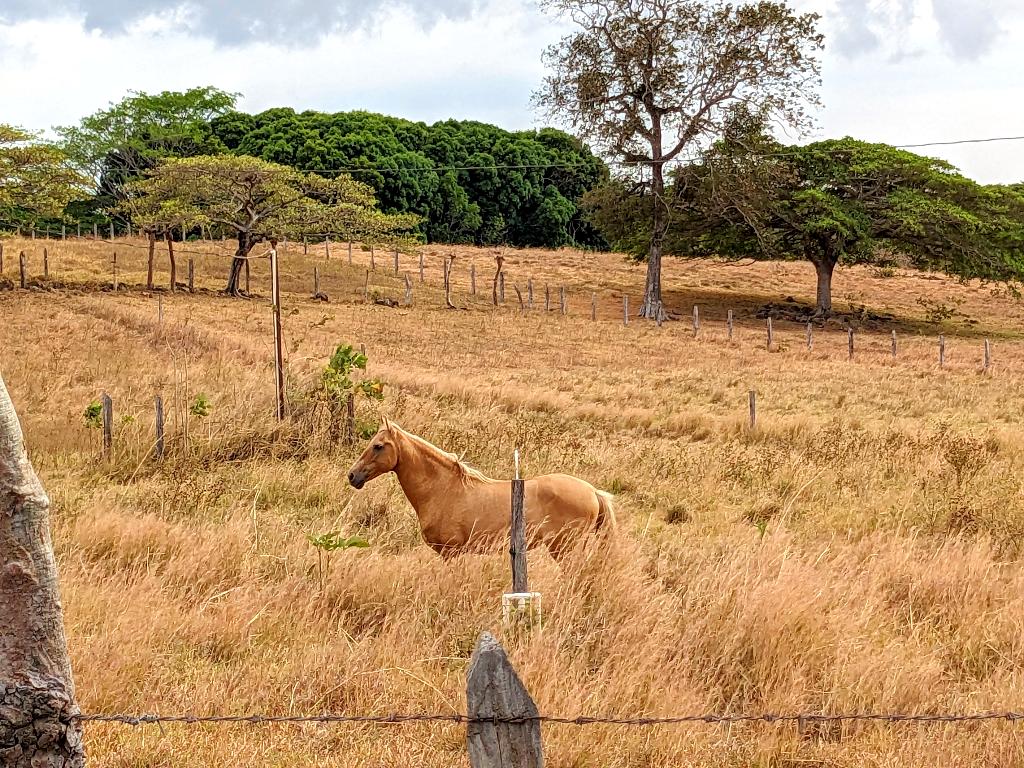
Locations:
{"points": [[645, 81]]}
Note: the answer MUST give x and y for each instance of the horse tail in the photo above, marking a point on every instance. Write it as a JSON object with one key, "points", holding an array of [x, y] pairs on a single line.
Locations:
{"points": [[605, 513]]}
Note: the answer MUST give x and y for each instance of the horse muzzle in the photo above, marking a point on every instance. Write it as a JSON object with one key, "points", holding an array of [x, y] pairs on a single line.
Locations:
{"points": [[357, 480]]}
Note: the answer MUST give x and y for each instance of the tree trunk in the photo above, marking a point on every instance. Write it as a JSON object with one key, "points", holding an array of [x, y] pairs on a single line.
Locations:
{"points": [[651, 307], [37, 693], [824, 266], [170, 255], [245, 244], [152, 252]]}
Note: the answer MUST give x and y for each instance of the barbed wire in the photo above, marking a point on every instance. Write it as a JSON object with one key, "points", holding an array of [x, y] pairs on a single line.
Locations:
{"points": [[801, 718]]}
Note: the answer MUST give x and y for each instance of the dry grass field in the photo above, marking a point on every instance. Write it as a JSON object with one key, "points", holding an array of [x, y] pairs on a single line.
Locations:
{"points": [[861, 550]]}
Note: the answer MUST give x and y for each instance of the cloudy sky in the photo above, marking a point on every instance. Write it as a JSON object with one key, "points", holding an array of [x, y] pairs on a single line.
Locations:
{"points": [[899, 71]]}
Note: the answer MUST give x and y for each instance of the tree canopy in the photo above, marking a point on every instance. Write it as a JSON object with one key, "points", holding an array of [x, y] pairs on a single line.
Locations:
{"points": [[829, 202], [469, 182], [258, 200], [647, 81], [36, 180]]}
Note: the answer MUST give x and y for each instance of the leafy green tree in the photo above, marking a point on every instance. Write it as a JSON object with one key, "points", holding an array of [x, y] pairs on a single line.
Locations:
{"points": [[648, 80], [258, 200], [35, 178], [114, 146]]}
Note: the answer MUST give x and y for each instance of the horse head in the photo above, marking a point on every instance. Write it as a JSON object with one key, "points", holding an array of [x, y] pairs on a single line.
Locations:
{"points": [[380, 456]]}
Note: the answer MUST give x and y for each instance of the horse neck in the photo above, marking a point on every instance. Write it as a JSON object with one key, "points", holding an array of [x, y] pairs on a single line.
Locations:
{"points": [[425, 472]]}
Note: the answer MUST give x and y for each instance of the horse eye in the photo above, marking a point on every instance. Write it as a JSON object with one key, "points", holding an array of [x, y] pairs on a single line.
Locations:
{"points": [[378, 447]]}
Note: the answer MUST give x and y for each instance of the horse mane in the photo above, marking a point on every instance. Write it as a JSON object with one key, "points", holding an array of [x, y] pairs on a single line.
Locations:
{"points": [[465, 471]]}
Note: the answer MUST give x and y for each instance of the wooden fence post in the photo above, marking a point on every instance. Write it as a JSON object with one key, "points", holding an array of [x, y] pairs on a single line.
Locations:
{"points": [[408, 290], [33, 231], [191, 276], [366, 287], [316, 282], [501, 287], [113, 265], [350, 253], [529, 293], [810, 335], [770, 335], [21, 269], [625, 310], [275, 289], [987, 360], [46, 263], [729, 323], [373, 257], [1, 257], [696, 321], [107, 413], [350, 417], [421, 268], [849, 343], [561, 299], [159, 427], [449, 262], [752, 403], [305, 246], [63, 231], [593, 306], [942, 350], [517, 534], [95, 231], [519, 296], [495, 692], [472, 279], [547, 298], [894, 344], [396, 259], [111, 229], [327, 247]]}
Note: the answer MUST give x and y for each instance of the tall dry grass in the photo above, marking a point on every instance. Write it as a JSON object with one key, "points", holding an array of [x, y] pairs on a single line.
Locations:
{"points": [[860, 551]]}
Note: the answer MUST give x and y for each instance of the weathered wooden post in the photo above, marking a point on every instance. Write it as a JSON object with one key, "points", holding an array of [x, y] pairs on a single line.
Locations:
{"points": [[113, 266], [47, 232], [728, 322], [625, 310], [111, 229], [373, 257], [1, 257], [593, 306], [894, 350], [21, 270], [472, 279], [519, 296], [107, 413], [396, 259], [305, 246], [316, 282], [449, 262], [547, 298], [529, 293], [191, 276], [752, 403], [327, 247], [849, 343], [350, 417], [95, 231], [517, 534], [770, 336], [696, 321], [501, 287], [275, 290], [130, 232], [408, 290], [499, 260], [350, 253], [159, 451], [421, 269], [561, 299], [79, 229], [38, 725], [810, 335], [987, 360], [942, 350], [63, 231], [504, 725]]}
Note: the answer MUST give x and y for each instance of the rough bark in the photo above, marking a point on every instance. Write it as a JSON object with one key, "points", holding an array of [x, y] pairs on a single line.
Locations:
{"points": [[651, 307], [824, 266], [170, 255], [245, 245], [37, 695]]}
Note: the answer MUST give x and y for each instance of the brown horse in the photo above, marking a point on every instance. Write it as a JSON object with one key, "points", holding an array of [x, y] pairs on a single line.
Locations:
{"points": [[460, 509]]}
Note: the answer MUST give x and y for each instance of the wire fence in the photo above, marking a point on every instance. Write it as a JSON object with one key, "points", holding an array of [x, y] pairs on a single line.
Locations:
{"points": [[800, 718]]}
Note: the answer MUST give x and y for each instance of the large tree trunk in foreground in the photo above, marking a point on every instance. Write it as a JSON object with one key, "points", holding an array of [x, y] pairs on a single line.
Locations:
{"points": [[37, 694], [245, 245], [651, 306], [824, 266]]}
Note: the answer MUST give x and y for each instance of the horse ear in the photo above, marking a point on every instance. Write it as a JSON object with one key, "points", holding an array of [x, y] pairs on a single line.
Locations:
{"points": [[385, 424]]}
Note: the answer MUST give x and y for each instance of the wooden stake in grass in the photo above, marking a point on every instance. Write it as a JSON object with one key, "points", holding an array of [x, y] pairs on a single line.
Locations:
{"points": [[408, 290], [421, 267], [561, 300], [770, 336], [472, 279], [448, 264], [849, 343], [95, 231], [114, 269], [696, 321], [942, 351], [529, 293], [174, 264], [547, 298], [752, 404], [305, 246], [366, 287], [810, 335], [350, 253], [729, 323], [316, 282], [625, 310], [501, 287], [275, 290], [159, 428], [518, 531], [46, 263], [593, 306], [373, 257], [499, 260], [327, 247], [107, 412], [63, 232], [21, 269], [111, 230], [519, 295], [191, 276], [987, 360], [894, 348]]}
